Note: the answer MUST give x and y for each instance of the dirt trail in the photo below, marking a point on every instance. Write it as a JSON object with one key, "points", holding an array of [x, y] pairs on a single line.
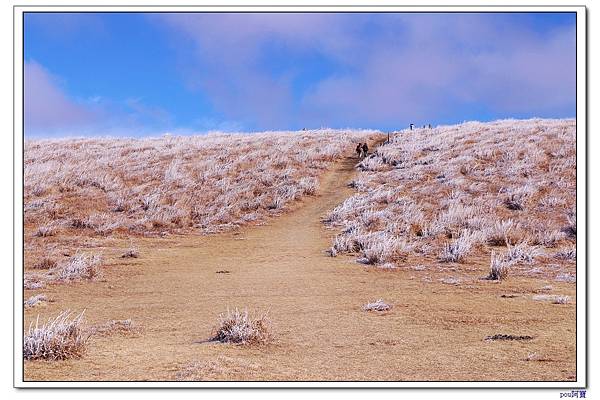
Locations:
{"points": [[434, 332]]}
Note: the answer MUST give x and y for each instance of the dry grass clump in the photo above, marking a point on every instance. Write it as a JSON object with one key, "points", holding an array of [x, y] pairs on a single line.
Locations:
{"points": [[499, 267], [33, 282], [131, 253], [377, 305], [566, 277], [571, 229], [60, 338], [553, 298], [458, 250], [79, 267], [35, 300], [45, 230], [237, 326], [504, 183], [569, 254], [45, 263]]}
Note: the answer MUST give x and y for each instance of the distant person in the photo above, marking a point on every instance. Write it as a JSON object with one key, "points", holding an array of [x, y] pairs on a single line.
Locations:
{"points": [[429, 126], [359, 150], [365, 150], [412, 126]]}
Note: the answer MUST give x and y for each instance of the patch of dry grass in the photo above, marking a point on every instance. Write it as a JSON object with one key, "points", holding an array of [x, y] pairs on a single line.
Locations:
{"points": [[238, 326], [120, 327], [377, 305], [45, 263], [35, 300], [60, 338], [219, 367], [79, 267]]}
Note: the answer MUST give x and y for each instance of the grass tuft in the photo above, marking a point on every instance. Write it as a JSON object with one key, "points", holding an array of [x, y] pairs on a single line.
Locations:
{"points": [[58, 339], [377, 305], [238, 326]]}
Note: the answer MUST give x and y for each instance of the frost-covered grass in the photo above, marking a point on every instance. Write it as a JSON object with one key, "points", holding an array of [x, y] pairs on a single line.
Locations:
{"points": [[377, 305], [238, 326], [204, 183], [79, 267], [499, 266], [457, 192], [108, 187], [35, 300], [553, 298], [58, 339]]}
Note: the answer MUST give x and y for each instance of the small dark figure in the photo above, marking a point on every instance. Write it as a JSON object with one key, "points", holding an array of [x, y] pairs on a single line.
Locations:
{"points": [[412, 126], [429, 126], [359, 150], [365, 150]]}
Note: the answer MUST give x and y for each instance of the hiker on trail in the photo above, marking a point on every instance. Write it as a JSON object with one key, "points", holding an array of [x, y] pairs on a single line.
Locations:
{"points": [[365, 150], [359, 150]]}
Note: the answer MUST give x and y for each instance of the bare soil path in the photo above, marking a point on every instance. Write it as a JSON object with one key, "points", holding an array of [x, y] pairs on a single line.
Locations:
{"points": [[434, 331]]}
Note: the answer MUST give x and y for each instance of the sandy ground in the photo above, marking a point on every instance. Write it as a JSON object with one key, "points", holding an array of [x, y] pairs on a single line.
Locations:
{"points": [[435, 331]]}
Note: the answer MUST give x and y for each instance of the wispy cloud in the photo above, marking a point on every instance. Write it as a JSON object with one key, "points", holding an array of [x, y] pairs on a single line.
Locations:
{"points": [[51, 111], [47, 107], [390, 68]]}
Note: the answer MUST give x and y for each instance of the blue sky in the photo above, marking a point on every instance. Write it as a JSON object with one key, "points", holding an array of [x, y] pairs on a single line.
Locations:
{"points": [[123, 74]]}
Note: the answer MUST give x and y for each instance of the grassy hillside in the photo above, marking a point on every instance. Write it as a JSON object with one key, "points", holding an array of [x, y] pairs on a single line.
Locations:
{"points": [[504, 190], [95, 188]]}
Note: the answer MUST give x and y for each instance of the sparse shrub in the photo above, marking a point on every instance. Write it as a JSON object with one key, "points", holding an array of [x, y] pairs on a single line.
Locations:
{"points": [[46, 230], [35, 300], [521, 252], [548, 238], [458, 250], [347, 242], [571, 229], [44, 263], [120, 205], [78, 267], [33, 282], [569, 254], [497, 234], [308, 185], [236, 326], [378, 305], [131, 253], [149, 201], [277, 203], [380, 248], [514, 202], [566, 277], [58, 339], [499, 267]]}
